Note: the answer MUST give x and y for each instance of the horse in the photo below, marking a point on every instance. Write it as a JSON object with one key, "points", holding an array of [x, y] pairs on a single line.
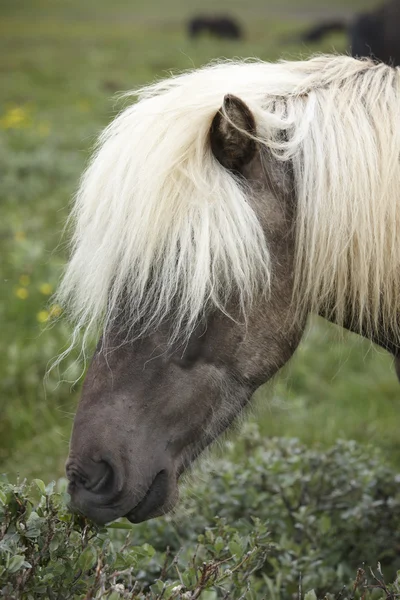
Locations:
{"points": [[371, 34], [219, 26], [320, 30], [218, 211], [376, 33]]}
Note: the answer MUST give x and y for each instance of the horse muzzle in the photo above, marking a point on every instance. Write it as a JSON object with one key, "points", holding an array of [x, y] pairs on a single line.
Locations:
{"points": [[99, 491]]}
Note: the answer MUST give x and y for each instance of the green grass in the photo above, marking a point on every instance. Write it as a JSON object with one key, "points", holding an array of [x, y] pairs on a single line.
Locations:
{"points": [[337, 386], [60, 65]]}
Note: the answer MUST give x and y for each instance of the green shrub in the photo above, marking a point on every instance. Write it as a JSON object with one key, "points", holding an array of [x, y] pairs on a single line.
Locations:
{"points": [[328, 514], [46, 552]]}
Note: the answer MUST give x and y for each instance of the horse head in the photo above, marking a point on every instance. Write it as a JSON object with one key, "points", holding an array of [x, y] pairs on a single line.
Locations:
{"points": [[217, 213]]}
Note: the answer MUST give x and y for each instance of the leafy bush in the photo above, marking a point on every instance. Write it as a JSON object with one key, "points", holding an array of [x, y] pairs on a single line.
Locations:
{"points": [[328, 514], [46, 552]]}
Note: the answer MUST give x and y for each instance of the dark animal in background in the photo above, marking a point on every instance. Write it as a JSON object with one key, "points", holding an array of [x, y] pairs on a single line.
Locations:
{"points": [[374, 34], [317, 32], [366, 34], [220, 26]]}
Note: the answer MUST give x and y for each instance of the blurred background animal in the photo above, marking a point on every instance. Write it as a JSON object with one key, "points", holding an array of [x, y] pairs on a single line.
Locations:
{"points": [[374, 33], [222, 26], [317, 32]]}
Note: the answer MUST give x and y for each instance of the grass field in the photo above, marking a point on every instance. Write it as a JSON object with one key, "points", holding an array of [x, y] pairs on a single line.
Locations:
{"points": [[60, 66]]}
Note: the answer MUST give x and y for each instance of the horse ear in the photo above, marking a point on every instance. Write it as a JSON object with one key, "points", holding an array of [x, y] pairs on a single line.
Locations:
{"points": [[232, 134]]}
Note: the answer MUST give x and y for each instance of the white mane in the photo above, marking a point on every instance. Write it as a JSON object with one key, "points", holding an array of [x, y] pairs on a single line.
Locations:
{"points": [[160, 223]]}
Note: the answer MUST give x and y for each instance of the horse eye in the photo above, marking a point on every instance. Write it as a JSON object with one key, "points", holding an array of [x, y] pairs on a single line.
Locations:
{"points": [[187, 356]]}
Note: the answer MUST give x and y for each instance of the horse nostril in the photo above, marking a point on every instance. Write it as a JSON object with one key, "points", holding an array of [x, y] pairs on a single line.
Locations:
{"points": [[102, 479], [97, 477]]}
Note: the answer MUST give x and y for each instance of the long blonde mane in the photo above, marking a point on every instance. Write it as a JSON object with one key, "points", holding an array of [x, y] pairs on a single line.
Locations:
{"points": [[162, 225]]}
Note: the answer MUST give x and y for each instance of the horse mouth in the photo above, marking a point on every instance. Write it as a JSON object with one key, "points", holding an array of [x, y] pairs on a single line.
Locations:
{"points": [[155, 502]]}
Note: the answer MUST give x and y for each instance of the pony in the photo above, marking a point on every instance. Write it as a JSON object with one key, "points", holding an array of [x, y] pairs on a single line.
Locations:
{"points": [[218, 26], [320, 30], [371, 34], [376, 33], [218, 211]]}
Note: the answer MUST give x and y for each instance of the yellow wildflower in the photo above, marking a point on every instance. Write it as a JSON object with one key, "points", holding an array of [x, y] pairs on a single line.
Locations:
{"points": [[22, 293], [46, 289], [20, 236], [25, 280], [55, 310], [14, 118], [43, 316]]}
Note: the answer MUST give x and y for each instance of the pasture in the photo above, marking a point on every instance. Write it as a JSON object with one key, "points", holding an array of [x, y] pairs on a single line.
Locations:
{"points": [[61, 65]]}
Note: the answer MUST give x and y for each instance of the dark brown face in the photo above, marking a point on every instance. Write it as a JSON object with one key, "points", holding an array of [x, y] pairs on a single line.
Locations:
{"points": [[148, 409]]}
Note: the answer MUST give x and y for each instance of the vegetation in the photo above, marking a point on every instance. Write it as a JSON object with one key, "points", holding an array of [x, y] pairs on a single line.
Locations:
{"points": [[60, 66], [328, 514]]}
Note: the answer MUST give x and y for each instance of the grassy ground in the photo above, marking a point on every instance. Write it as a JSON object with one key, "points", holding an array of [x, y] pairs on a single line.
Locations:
{"points": [[60, 64]]}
